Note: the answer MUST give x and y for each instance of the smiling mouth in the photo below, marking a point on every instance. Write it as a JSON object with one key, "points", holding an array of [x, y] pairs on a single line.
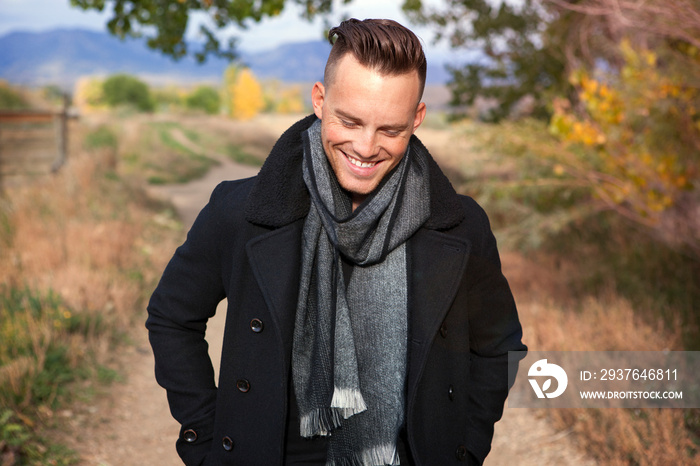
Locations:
{"points": [[359, 163]]}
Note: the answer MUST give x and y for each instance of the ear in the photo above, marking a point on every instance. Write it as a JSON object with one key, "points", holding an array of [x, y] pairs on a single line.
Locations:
{"points": [[318, 94], [420, 116]]}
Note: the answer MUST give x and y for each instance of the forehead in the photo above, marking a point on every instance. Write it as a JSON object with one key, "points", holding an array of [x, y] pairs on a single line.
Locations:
{"points": [[355, 85]]}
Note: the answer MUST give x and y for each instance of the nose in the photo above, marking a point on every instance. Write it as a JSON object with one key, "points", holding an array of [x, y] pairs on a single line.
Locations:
{"points": [[365, 145]]}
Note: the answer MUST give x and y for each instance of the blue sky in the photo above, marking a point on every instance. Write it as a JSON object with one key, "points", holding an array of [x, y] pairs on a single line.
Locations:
{"points": [[41, 15]]}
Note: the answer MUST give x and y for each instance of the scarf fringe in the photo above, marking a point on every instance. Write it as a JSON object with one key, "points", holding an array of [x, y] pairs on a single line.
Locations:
{"points": [[348, 401], [320, 421], [380, 455]]}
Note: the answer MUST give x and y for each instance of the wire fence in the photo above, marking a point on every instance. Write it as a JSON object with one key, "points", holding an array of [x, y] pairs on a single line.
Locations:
{"points": [[33, 142]]}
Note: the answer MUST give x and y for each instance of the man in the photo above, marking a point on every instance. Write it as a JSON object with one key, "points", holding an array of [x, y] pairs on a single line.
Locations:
{"points": [[368, 320]]}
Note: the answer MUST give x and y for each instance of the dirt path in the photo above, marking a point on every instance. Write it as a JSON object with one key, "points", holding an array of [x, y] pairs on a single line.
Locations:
{"points": [[131, 424]]}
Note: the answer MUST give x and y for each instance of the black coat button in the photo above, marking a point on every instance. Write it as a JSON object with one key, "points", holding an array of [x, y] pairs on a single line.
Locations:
{"points": [[243, 385], [443, 330], [227, 443], [256, 325], [190, 436], [462, 453], [451, 393]]}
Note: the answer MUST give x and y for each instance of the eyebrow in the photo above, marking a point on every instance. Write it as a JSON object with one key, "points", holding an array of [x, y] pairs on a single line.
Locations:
{"points": [[347, 116], [391, 127]]}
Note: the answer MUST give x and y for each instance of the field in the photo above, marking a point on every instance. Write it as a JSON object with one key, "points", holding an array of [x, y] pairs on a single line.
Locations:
{"points": [[81, 251]]}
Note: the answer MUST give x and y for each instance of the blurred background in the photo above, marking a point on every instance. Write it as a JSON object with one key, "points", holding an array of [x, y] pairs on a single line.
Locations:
{"points": [[575, 124]]}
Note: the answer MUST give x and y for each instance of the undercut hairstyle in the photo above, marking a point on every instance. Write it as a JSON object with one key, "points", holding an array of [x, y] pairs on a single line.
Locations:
{"points": [[382, 45]]}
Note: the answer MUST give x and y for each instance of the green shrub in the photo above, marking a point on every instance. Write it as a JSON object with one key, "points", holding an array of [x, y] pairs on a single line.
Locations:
{"points": [[20, 445], [37, 362], [32, 354], [204, 98], [122, 89], [10, 98]]}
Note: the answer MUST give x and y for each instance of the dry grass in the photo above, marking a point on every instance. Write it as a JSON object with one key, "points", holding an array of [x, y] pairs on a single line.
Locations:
{"points": [[80, 252], [82, 236]]}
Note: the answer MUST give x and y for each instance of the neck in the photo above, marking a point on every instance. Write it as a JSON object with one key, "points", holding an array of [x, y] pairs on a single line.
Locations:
{"points": [[357, 199]]}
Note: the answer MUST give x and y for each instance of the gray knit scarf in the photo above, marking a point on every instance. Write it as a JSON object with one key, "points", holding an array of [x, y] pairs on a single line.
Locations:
{"points": [[350, 343]]}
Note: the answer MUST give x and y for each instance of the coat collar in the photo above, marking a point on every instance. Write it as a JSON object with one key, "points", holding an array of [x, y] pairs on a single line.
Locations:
{"points": [[280, 197]]}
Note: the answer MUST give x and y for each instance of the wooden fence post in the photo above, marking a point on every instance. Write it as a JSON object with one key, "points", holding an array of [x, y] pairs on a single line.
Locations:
{"points": [[62, 133]]}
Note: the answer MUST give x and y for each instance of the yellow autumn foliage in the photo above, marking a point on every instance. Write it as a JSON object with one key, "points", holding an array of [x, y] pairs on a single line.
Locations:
{"points": [[289, 100], [244, 93], [283, 98], [88, 95], [635, 140]]}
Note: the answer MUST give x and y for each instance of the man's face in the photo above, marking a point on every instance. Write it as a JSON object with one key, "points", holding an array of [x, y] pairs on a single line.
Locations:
{"points": [[366, 122]]}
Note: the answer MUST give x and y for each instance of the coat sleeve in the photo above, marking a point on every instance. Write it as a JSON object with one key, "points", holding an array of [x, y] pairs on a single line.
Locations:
{"points": [[494, 330], [185, 298]]}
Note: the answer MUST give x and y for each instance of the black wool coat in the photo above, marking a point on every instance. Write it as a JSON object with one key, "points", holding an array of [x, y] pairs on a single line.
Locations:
{"points": [[246, 246]]}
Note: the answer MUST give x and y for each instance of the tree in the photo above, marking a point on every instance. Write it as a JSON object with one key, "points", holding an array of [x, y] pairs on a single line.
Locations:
{"points": [[635, 133], [122, 89], [522, 45], [648, 20], [244, 94], [164, 22]]}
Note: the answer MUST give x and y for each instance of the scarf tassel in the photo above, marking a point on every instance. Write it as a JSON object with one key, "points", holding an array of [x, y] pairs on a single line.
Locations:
{"points": [[378, 456], [320, 421], [348, 401]]}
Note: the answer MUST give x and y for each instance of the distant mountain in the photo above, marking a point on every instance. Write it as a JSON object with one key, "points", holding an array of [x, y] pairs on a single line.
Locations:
{"points": [[297, 62], [61, 56]]}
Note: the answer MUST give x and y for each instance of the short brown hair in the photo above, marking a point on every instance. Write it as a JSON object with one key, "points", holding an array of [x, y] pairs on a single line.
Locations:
{"points": [[382, 45]]}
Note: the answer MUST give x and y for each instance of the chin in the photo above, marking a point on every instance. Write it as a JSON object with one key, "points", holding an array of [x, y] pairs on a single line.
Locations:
{"points": [[358, 189]]}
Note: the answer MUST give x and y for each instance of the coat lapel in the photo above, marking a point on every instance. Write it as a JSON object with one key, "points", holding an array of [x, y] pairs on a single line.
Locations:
{"points": [[437, 265], [275, 258]]}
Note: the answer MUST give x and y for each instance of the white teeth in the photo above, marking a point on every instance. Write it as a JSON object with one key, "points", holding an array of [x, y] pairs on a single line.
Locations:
{"points": [[361, 164]]}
